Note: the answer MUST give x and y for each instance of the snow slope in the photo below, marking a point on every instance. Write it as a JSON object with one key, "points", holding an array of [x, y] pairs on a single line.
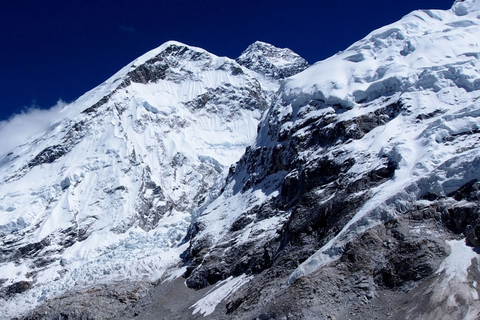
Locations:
{"points": [[428, 61], [386, 131], [107, 193], [386, 124]]}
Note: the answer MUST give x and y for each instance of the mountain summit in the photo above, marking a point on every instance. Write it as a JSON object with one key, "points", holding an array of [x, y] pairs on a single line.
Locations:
{"points": [[272, 62], [192, 186], [362, 184], [108, 192], [466, 7]]}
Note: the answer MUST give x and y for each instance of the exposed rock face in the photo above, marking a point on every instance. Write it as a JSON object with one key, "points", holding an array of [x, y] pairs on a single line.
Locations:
{"points": [[107, 193], [96, 302], [272, 62], [358, 196], [360, 180]]}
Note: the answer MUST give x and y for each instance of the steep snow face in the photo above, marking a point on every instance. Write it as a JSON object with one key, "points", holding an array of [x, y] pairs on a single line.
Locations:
{"points": [[272, 62], [359, 139], [428, 64], [107, 193], [426, 50]]}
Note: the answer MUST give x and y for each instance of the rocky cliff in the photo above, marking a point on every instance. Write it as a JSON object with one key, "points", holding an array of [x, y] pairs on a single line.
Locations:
{"points": [[355, 197]]}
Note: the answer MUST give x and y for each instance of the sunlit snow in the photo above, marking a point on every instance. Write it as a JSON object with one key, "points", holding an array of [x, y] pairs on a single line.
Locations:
{"points": [[108, 191]]}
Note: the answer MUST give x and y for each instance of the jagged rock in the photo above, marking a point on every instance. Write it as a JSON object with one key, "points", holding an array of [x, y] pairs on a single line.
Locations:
{"points": [[364, 176], [108, 191], [355, 200], [272, 62], [48, 155], [16, 288], [94, 303]]}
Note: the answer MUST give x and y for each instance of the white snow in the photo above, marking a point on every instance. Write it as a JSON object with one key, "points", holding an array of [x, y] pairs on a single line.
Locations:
{"points": [[454, 286], [145, 151], [429, 61], [155, 136], [223, 211], [457, 263], [218, 293]]}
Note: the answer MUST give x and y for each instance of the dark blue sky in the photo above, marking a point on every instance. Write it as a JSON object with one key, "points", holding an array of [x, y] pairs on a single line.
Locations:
{"points": [[60, 49]]}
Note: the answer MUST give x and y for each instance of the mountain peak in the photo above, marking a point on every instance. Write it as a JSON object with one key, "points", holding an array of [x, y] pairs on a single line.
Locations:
{"points": [[167, 46], [272, 62], [327, 194], [129, 161]]}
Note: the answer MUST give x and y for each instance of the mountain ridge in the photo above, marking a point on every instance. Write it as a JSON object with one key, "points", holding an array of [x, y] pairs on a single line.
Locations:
{"points": [[356, 196], [349, 149], [117, 178]]}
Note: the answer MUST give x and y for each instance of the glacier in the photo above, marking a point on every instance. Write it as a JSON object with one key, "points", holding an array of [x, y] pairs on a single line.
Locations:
{"points": [[259, 187], [434, 58]]}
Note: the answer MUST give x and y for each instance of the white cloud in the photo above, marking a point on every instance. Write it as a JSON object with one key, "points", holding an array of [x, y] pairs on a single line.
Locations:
{"points": [[20, 128]]}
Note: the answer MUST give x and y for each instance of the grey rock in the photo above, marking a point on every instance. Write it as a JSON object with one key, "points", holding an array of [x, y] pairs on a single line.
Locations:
{"points": [[272, 62], [94, 303]]}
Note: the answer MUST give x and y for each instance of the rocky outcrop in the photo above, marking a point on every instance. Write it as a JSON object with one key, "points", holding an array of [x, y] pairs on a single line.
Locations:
{"points": [[272, 62], [96, 302], [320, 194], [360, 191], [358, 198], [108, 191]]}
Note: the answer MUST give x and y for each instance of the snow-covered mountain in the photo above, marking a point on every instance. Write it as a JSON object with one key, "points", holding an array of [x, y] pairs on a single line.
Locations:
{"points": [[357, 195], [107, 193], [361, 184], [272, 62]]}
